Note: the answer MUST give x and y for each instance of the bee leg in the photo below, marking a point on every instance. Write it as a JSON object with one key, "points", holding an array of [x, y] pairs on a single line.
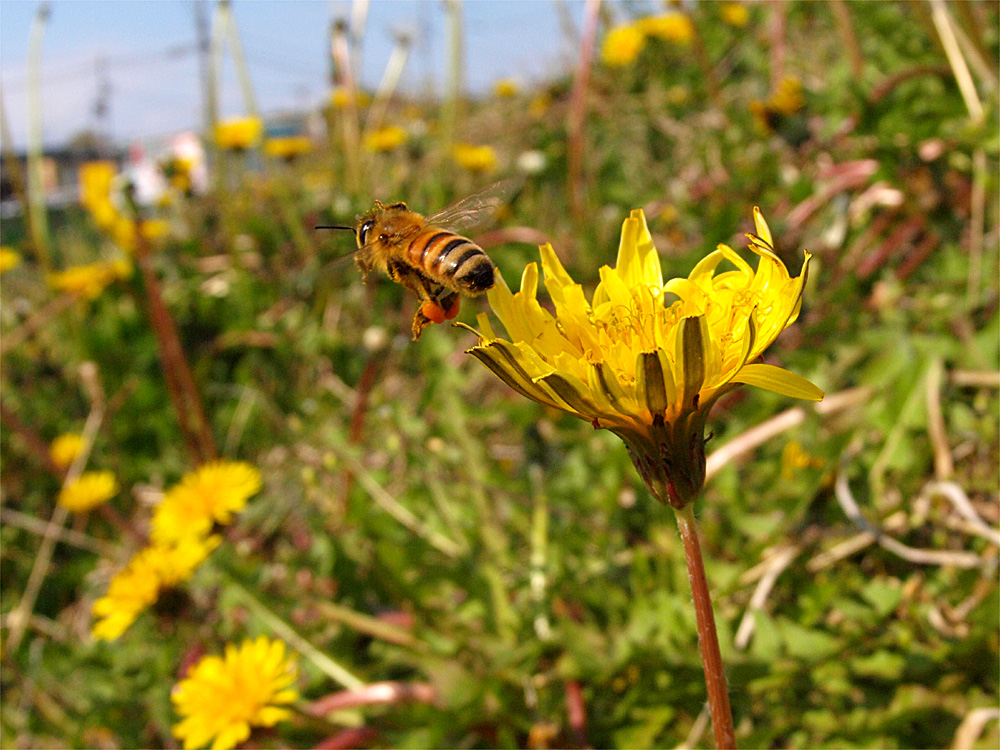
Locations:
{"points": [[449, 304]]}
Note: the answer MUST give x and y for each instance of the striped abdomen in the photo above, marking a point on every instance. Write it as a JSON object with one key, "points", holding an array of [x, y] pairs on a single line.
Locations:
{"points": [[453, 261]]}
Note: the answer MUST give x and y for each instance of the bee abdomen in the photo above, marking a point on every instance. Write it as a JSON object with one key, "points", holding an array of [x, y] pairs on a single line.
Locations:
{"points": [[455, 260]]}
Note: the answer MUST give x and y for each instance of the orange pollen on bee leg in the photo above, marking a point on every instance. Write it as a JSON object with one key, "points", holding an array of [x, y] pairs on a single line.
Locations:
{"points": [[453, 310], [433, 312]]}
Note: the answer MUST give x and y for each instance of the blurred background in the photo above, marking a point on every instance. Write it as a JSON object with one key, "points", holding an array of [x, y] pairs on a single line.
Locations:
{"points": [[165, 300]]}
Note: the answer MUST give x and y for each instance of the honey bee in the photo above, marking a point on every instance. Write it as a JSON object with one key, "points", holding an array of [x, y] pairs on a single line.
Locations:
{"points": [[427, 254]]}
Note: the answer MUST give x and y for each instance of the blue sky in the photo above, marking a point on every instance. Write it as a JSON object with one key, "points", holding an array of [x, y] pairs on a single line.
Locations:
{"points": [[152, 68]]}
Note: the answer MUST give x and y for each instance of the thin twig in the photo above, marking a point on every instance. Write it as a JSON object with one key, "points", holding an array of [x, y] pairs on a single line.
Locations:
{"points": [[975, 378], [374, 694], [839, 551], [778, 563], [944, 467], [972, 727], [842, 490], [960, 500], [34, 525]]}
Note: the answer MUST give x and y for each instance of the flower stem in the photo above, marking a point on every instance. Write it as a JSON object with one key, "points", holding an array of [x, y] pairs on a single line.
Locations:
{"points": [[708, 640]]}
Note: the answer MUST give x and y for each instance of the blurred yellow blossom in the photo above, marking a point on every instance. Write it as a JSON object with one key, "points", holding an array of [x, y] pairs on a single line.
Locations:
{"points": [[787, 99], [9, 258], [539, 105], [506, 88], [239, 133], [138, 584], [735, 14], [95, 178], [385, 139], [288, 147], [622, 45], [672, 27], [634, 362], [340, 97], [794, 458], [209, 495], [222, 697], [475, 158], [90, 280], [65, 448], [90, 489]]}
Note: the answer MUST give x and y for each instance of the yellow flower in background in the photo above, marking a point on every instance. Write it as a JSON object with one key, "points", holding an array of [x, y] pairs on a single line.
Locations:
{"points": [[123, 231], [385, 139], [672, 27], [506, 88], [288, 147], [9, 258], [239, 133], [622, 45], [788, 98], [138, 585], [645, 358], [222, 697], [475, 158], [795, 458], [131, 591], [735, 14], [89, 281], [209, 495], [90, 489], [95, 178], [539, 105], [340, 97], [65, 448]]}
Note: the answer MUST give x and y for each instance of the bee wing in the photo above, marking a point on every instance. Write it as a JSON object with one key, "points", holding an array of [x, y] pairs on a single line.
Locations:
{"points": [[476, 209]]}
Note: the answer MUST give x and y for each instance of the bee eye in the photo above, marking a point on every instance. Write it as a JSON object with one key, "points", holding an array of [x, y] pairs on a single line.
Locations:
{"points": [[363, 232]]}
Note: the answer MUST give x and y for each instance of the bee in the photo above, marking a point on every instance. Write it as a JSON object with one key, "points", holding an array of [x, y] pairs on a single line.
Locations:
{"points": [[427, 254]]}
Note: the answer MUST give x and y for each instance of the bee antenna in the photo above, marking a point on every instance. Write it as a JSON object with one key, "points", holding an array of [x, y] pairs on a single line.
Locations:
{"points": [[333, 226]]}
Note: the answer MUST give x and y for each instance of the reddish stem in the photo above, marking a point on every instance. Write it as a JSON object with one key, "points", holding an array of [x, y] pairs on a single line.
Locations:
{"points": [[708, 640], [578, 110]]}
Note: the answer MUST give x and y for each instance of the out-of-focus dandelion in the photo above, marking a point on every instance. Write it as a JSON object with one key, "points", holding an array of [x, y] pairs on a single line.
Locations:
{"points": [[65, 448], [477, 159], [649, 369], [539, 105], [795, 458], [340, 98], [209, 495], [735, 14], [506, 88], [385, 139], [221, 698], [288, 147], [239, 133], [786, 100], [622, 45], [90, 489], [678, 94], [671, 27], [138, 585], [9, 258], [87, 282]]}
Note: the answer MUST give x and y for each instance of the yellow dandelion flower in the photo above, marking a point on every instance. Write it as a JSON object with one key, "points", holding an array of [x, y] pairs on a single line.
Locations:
{"points": [[539, 105], [239, 133], [735, 14], [88, 491], [206, 496], [95, 178], [288, 147], [222, 697], [138, 585], [131, 591], [672, 27], [622, 45], [788, 98], [65, 448], [647, 359], [506, 88], [476, 159], [795, 458], [385, 139], [89, 281], [9, 258]]}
